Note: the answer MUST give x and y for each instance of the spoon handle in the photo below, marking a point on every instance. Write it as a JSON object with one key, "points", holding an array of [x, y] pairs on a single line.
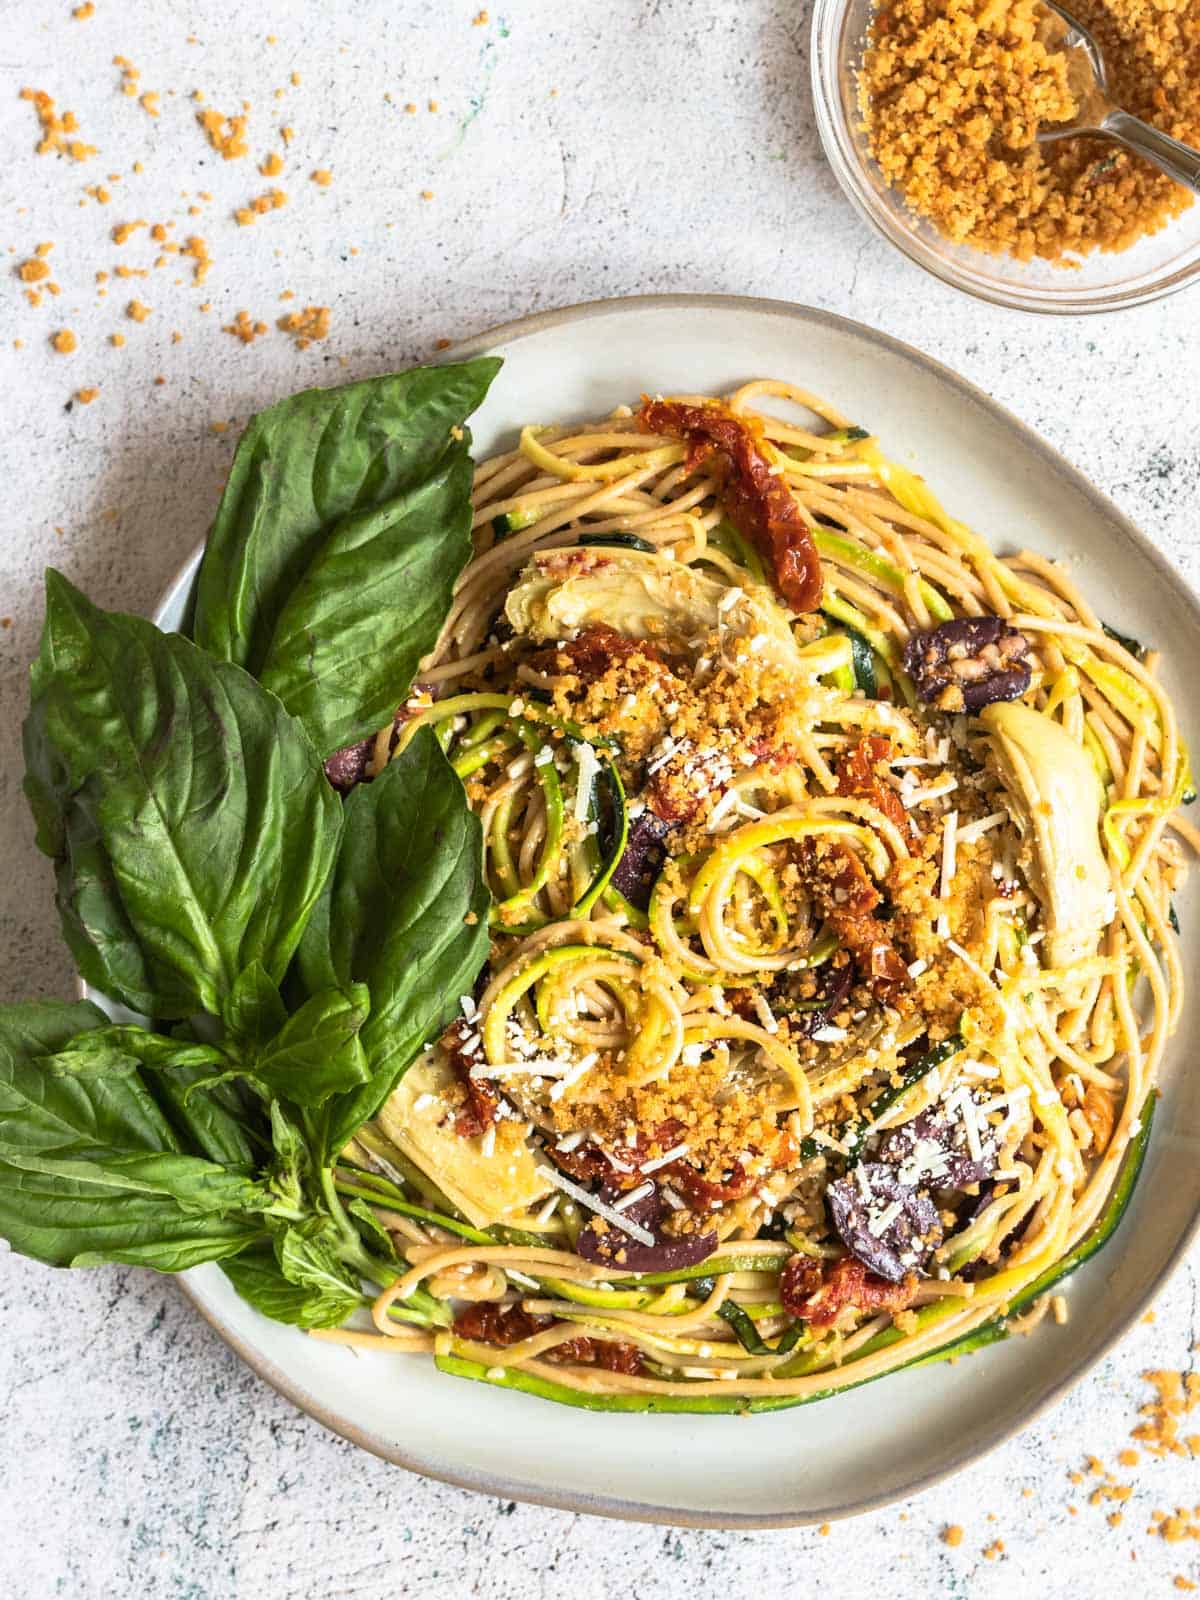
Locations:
{"points": [[1177, 160]]}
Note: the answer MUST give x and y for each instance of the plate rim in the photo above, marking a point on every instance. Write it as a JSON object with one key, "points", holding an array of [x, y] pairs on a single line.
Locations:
{"points": [[611, 1506]]}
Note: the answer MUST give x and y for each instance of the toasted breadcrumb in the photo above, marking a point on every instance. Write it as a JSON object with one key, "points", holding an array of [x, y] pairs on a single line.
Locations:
{"points": [[86, 396], [952, 1535], [64, 341], [273, 200], [57, 131], [307, 325], [953, 93], [137, 311], [271, 165], [227, 135], [244, 327]]}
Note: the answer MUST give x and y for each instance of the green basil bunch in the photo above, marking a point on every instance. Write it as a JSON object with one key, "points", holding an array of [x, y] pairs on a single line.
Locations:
{"points": [[292, 951]]}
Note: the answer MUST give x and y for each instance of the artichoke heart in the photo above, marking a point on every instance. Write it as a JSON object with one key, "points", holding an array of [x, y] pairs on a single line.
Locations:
{"points": [[419, 1120], [644, 597], [1057, 801]]}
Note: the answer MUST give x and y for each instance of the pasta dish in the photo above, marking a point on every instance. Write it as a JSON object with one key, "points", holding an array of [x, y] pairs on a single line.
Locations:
{"points": [[830, 955]]}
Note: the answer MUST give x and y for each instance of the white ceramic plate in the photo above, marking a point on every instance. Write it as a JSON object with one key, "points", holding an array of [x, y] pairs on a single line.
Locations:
{"points": [[889, 1438]]}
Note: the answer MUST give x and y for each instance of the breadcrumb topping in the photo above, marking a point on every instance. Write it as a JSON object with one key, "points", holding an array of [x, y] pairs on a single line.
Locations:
{"points": [[953, 93]]}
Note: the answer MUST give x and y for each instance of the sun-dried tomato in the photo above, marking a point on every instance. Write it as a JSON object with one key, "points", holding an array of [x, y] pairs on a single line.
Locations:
{"points": [[846, 898], [820, 1297], [759, 502], [857, 776], [488, 1323], [477, 1113], [702, 1194], [606, 1353], [798, 1282], [597, 646]]}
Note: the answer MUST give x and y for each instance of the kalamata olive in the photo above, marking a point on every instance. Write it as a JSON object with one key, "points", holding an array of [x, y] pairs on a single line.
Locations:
{"points": [[642, 859], [968, 663], [933, 1149], [891, 1227], [810, 1016], [610, 1247], [347, 767]]}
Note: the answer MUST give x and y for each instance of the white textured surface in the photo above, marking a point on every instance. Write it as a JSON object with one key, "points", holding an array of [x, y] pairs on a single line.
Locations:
{"points": [[678, 153]]}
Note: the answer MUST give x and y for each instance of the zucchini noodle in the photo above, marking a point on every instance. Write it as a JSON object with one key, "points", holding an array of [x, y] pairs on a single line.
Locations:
{"points": [[824, 1008]]}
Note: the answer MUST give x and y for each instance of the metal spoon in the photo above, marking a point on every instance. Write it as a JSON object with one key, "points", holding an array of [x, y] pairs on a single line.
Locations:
{"points": [[1099, 118]]}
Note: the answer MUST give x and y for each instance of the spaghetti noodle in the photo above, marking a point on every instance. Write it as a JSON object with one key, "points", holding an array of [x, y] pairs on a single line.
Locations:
{"points": [[832, 859]]}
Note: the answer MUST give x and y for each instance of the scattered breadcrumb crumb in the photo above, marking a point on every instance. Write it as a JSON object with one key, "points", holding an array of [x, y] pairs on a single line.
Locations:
{"points": [[307, 325], [994, 1550], [1183, 1583], [64, 341], [56, 130], [197, 249], [86, 396], [824, 1530], [295, 80], [125, 230], [426, 194], [149, 103], [1176, 1394], [479, 20], [33, 270], [273, 200], [287, 134], [129, 75], [271, 165], [411, 108], [83, 12], [323, 176], [433, 105], [99, 193], [116, 340], [243, 327], [227, 135], [137, 310], [952, 1535]]}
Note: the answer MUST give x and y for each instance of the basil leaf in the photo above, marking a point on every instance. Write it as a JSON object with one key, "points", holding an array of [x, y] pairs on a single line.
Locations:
{"points": [[257, 1278], [371, 604], [309, 1263], [190, 821], [303, 466], [64, 1222], [90, 1170], [317, 1052], [292, 1164], [394, 915], [88, 1102], [254, 1011], [153, 1050], [217, 1120], [373, 1232]]}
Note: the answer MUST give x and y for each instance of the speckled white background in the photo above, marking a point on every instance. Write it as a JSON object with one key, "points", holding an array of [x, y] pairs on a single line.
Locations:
{"points": [[678, 153]]}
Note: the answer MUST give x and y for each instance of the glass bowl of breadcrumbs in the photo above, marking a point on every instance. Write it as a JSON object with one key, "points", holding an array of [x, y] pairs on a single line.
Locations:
{"points": [[929, 112]]}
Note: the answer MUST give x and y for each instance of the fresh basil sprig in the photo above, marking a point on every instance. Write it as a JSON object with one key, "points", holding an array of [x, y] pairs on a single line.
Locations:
{"points": [[344, 524], [405, 911], [186, 812], [196, 841]]}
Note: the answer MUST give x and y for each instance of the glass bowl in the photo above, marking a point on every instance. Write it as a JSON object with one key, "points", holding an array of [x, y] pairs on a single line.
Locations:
{"points": [[1155, 266]]}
